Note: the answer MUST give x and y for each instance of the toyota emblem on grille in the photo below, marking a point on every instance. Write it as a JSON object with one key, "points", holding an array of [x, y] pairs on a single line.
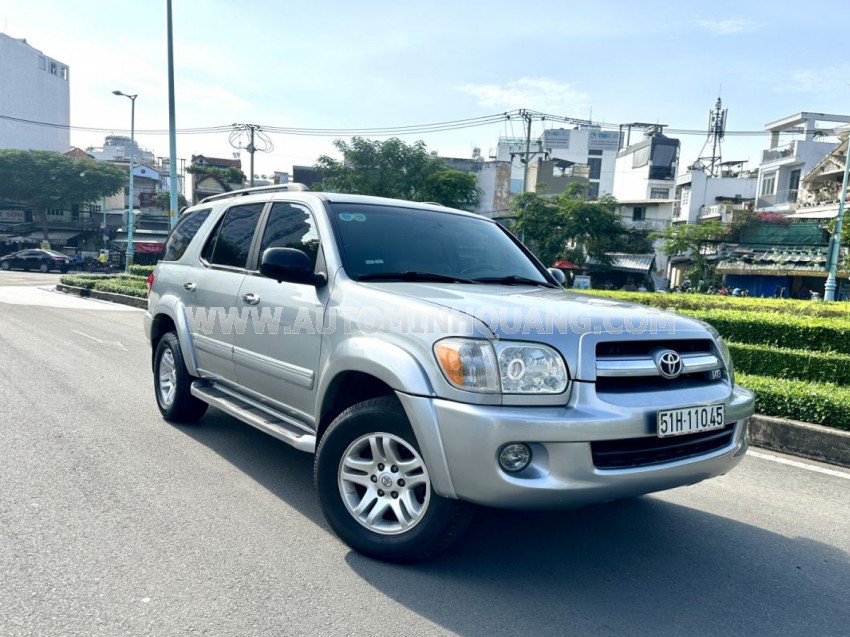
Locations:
{"points": [[669, 363]]}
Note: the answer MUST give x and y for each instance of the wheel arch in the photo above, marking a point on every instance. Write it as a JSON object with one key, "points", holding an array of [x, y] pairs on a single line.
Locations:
{"points": [[172, 318]]}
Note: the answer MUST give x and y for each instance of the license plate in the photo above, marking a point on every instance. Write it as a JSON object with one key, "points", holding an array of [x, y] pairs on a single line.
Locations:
{"points": [[690, 420]]}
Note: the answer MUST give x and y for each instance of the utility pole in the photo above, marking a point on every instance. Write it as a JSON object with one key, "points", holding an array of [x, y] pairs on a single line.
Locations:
{"points": [[251, 148], [829, 288], [527, 117], [255, 134]]}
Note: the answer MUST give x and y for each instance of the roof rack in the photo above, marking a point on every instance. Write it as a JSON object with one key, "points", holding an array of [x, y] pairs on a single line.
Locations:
{"points": [[290, 187]]}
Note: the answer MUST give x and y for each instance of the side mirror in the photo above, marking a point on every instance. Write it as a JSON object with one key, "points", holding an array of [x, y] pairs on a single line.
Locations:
{"points": [[558, 275], [290, 265]]}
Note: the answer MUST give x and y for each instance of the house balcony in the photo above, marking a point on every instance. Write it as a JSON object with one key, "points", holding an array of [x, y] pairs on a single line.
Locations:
{"points": [[782, 201], [716, 212], [781, 153]]}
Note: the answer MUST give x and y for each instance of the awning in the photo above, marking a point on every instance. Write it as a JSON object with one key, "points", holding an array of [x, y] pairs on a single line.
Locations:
{"points": [[637, 263], [778, 263], [144, 242], [565, 265], [37, 236]]}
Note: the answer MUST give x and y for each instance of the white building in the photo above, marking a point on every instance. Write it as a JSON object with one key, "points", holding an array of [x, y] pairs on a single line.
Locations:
{"points": [[786, 162], [33, 87], [644, 182], [493, 179], [701, 197], [586, 145]]}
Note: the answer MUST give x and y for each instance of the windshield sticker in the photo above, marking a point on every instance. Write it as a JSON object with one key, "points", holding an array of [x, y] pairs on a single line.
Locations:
{"points": [[346, 216], [374, 261], [359, 216]]}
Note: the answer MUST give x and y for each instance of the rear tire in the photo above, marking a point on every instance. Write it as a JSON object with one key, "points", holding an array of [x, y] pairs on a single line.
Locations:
{"points": [[374, 487], [172, 383], [5, 265], [44, 268]]}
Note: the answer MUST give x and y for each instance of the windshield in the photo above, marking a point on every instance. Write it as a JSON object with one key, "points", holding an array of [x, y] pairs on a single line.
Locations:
{"points": [[377, 240]]}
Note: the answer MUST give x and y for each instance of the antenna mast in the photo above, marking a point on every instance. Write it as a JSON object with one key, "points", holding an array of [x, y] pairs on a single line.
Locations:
{"points": [[716, 132]]}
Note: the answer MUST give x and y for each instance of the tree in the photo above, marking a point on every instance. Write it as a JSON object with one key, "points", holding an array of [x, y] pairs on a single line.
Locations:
{"points": [[230, 175], [398, 170], [45, 179], [688, 239], [163, 201], [548, 225]]}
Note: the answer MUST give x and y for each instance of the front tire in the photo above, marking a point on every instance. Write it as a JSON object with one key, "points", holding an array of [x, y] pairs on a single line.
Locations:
{"points": [[5, 265], [172, 383], [374, 487], [44, 268]]}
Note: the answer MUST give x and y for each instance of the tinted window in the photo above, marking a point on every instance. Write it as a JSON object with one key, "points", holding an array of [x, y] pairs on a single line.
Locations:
{"points": [[291, 226], [186, 229], [380, 239], [231, 242]]}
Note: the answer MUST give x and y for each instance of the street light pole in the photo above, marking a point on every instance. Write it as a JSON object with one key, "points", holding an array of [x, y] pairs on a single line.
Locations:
{"points": [[131, 216], [172, 138], [829, 288]]}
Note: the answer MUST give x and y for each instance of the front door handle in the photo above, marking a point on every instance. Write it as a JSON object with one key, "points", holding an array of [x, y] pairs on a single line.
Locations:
{"points": [[251, 299], [189, 287]]}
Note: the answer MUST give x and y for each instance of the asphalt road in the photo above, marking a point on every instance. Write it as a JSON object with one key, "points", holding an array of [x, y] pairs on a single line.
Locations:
{"points": [[113, 522]]}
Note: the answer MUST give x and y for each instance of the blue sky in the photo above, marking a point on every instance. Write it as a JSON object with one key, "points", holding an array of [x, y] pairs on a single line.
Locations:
{"points": [[337, 64]]}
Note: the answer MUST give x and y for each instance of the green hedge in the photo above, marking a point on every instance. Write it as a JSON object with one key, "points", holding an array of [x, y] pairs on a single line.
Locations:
{"points": [[116, 283], [744, 304], [779, 330], [820, 403], [141, 270], [800, 364]]}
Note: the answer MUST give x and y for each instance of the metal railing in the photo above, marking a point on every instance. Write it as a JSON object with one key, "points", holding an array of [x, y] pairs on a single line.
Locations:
{"points": [[781, 198]]}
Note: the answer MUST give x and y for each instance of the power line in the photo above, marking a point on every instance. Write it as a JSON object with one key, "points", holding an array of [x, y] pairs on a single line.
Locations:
{"points": [[506, 118]]}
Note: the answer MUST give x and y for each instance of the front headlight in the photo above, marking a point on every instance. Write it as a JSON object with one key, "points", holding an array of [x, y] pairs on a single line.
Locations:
{"points": [[509, 367]]}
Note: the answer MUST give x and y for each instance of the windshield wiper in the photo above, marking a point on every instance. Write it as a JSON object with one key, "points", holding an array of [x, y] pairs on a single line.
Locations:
{"points": [[513, 279], [411, 275]]}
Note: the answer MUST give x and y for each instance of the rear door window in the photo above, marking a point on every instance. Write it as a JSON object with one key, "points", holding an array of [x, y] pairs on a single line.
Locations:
{"points": [[230, 244]]}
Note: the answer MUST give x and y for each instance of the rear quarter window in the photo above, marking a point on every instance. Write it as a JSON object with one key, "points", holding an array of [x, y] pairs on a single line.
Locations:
{"points": [[183, 233]]}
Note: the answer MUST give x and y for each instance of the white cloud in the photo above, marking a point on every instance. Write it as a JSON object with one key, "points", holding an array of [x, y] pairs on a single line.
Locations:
{"points": [[818, 81], [540, 93], [726, 27]]}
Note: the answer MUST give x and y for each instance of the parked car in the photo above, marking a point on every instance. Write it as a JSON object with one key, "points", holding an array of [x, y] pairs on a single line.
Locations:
{"points": [[431, 363], [41, 260]]}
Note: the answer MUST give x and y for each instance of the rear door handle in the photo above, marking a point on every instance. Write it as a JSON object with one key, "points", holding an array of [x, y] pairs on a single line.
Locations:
{"points": [[189, 287], [251, 299]]}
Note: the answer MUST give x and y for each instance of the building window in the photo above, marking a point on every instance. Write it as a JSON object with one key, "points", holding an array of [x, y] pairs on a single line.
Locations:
{"points": [[53, 68], [594, 152], [638, 213], [42, 63], [593, 193], [55, 212], [63, 72], [659, 193], [594, 165], [768, 184]]}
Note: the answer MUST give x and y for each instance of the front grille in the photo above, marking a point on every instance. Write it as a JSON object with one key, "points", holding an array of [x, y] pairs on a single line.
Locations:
{"points": [[630, 366], [643, 452]]}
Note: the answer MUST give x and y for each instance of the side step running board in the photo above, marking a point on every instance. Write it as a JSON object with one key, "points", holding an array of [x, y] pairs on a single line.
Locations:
{"points": [[263, 419]]}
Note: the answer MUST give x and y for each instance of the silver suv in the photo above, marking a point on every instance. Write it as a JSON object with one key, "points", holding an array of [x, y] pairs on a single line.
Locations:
{"points": [[430, 363]]}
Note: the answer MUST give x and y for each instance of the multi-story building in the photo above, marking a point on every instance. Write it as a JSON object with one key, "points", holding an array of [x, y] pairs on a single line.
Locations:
{"points": [[585, 145], [701, 197], [786, 163], [493, 179], [35, 88]]}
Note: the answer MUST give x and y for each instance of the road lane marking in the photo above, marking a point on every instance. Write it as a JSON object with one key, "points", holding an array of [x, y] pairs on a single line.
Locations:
{"points": [[799, 465], [113, 344]]}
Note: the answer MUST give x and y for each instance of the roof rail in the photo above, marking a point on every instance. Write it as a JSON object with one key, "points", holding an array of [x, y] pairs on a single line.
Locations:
{"points": [[290, 187]]}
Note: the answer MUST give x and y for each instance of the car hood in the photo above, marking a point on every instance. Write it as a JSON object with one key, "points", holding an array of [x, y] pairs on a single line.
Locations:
{"points": [[568, 321]]}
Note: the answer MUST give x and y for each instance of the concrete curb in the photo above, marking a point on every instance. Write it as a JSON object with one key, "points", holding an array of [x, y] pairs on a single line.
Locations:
{"points": [[801, 439], [132, 301]]}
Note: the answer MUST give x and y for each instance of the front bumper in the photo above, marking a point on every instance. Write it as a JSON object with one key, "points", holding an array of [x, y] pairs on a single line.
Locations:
{"points": [[461, 442]]}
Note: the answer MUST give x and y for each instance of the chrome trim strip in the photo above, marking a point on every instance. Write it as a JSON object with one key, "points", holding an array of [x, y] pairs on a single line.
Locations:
{"points": [[636, 366]]}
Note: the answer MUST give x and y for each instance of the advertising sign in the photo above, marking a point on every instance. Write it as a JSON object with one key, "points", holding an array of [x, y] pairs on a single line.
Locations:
{"points": [[582, 282], [604, 140], [556, 138], [12, 216]]}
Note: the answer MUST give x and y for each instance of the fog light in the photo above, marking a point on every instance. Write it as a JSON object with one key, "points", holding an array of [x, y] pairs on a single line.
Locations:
{"points": [[515, 457]]}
